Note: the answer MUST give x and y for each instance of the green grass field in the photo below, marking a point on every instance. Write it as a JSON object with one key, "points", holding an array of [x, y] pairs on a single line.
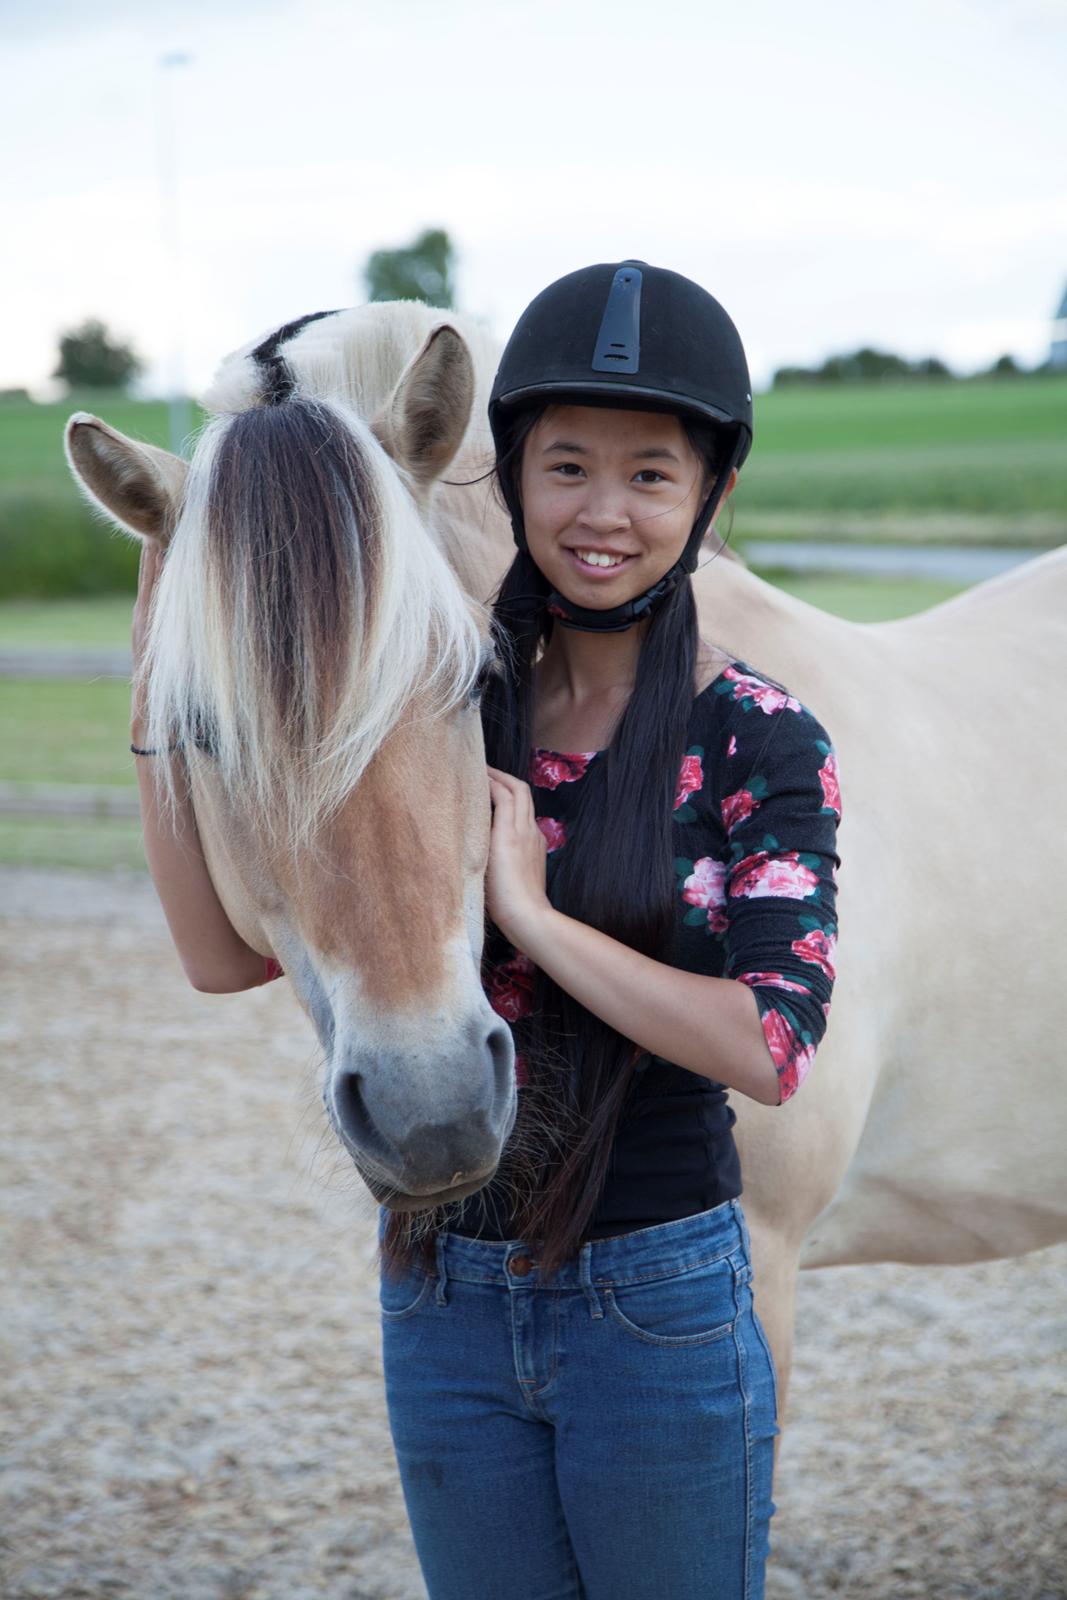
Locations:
{"points": [[51, 543], [971, 462], [103, 622], [32, 450], [977, 448], [910, 415], [64, 842], [55, 731], [921, 419], [985, 457]]}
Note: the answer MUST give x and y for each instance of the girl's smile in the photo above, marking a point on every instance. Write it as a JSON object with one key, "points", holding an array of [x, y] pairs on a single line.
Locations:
{"points": [[599, 564]]}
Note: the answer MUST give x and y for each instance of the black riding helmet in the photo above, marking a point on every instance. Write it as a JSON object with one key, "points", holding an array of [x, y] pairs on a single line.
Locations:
{"points": [[627, 335]]}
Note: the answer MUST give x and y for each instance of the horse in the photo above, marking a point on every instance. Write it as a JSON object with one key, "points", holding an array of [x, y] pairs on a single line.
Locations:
{"points": [[316, 647], [911, 1141]]}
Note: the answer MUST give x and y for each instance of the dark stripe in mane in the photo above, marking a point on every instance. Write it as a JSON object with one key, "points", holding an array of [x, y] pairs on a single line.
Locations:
{"points": [[294, 527], [278, 380]]}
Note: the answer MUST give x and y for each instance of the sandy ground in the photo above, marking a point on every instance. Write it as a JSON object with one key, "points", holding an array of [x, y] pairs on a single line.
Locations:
{"points": [[192, 1401]]}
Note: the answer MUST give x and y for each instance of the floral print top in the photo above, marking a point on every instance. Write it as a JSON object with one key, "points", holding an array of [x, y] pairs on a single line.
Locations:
{"points": [[755, 829]]}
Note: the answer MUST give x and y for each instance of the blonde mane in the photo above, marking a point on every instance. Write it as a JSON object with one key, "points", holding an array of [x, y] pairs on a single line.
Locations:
{"points": [[304, 603]]}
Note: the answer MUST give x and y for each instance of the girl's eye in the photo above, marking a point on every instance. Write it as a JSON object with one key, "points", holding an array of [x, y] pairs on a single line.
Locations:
{"points": [[571, 469]]}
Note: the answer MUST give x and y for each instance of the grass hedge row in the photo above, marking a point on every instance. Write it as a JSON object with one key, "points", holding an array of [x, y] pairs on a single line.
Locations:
{"points": [[51, 543], [52, 548]]}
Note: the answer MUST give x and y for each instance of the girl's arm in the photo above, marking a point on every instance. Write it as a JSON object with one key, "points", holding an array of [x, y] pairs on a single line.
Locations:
{"points": [[711, 1026], [215, 957]]}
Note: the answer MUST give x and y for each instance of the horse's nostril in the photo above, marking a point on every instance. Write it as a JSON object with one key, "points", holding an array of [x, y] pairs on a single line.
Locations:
{"points": [[349, 1104], [502, 1053], [416, 1133], [355, 1125]]}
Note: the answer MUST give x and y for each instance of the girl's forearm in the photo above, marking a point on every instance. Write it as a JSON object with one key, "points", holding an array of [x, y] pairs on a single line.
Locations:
{"points": [[709, 1025], [215, 957]]}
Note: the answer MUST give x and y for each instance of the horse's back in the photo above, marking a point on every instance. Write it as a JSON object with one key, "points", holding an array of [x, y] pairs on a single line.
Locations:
{"points": [[933, 1117]]}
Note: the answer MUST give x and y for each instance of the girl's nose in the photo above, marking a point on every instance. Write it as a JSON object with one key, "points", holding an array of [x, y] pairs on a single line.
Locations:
{"points": [[603, 510]]}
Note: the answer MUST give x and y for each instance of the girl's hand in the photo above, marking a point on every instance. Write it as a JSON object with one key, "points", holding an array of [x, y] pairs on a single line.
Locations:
{"points": [[147, 575], [515, 876]]}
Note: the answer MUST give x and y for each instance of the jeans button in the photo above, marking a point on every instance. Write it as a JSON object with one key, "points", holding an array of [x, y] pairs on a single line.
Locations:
{"points": [[520, 1266]]}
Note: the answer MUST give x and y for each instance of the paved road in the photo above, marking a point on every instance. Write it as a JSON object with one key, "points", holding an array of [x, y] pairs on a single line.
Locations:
{"points": [[884, 560], [63, 663]]}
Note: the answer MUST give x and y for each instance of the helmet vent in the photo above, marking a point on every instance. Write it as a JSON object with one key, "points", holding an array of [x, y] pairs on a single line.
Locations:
{"points": [[618, 344]]}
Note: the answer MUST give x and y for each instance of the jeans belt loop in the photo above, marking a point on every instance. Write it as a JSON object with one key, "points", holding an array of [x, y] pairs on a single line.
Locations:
{"points": [[585, 1278], [442, 1272]]}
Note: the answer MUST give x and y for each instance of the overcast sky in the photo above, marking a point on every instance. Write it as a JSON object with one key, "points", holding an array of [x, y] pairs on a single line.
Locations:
{"points": [[836, 173]]}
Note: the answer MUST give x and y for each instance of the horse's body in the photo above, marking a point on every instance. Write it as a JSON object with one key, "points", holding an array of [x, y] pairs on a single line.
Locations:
{"points": [[932, 1124]]}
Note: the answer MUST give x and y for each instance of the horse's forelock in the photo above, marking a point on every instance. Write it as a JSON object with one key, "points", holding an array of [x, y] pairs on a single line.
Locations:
{"points": [[303, 605], [293, 526]]}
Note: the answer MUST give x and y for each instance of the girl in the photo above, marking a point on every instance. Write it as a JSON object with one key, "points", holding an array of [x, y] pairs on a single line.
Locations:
{"points": [[582, 1399]]}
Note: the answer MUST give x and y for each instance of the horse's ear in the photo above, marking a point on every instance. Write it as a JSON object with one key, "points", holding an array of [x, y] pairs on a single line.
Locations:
{"points": [[422, 423], [138, 485]]}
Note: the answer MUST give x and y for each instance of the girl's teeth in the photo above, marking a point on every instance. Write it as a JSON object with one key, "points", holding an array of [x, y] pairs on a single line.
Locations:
{"points": [[595, 559]]}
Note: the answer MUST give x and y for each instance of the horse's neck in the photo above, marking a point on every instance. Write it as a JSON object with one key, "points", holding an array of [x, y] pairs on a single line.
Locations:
{"points": [[756, 622]]}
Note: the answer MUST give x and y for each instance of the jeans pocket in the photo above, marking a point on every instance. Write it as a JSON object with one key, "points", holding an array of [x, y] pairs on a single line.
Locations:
{"points": [[695, 1305], [400, 1297]]}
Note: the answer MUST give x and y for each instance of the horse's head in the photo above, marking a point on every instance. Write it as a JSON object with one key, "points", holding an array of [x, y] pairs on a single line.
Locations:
{"points": [[313, 652]]}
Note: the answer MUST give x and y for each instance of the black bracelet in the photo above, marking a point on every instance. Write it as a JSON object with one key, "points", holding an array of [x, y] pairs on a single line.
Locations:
{"points": [[169, 751]]}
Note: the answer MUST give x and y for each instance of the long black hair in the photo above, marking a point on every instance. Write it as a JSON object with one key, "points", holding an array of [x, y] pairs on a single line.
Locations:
{"points": [[580, 1071]]}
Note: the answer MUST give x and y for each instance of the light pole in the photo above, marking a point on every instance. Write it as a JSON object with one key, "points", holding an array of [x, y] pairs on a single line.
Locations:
{"points": [[170, 231]]}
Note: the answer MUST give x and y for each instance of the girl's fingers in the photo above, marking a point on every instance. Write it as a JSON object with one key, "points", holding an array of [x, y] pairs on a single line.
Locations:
{"points": [[505, 778], [516, 808], [514, 786]]}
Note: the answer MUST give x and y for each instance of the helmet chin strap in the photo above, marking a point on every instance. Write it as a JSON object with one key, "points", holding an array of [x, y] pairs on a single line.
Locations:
{"points": [[616, 619]]}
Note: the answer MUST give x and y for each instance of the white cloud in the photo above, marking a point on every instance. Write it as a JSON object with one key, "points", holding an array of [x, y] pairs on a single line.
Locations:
{"points": [[47, 19]]}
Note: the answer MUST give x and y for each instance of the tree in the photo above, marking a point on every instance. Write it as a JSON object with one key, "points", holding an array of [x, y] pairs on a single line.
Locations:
{"points": [[931, 367], [419, 271], [89, 358], [861, 366]]}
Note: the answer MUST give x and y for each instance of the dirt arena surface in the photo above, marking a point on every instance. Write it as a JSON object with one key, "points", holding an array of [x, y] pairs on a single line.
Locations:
{"points": [[192, 1396]]}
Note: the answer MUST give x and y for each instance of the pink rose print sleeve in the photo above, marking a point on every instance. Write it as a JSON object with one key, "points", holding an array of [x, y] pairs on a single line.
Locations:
{"points": [[780, 879]]}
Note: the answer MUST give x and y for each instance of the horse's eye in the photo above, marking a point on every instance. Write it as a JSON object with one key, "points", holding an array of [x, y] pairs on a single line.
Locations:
{"points": [[202, 735], [489, 667]]}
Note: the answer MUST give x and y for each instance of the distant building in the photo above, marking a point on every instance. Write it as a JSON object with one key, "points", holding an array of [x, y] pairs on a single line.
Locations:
{"points": [[1057, 355]]}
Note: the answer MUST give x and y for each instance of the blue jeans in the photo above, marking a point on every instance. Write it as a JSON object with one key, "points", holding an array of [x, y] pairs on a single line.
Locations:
{"points": [[606, 1436]]}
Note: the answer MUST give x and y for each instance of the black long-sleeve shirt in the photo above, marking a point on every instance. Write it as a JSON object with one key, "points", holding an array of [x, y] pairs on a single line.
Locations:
{"points": [[755, 829]]}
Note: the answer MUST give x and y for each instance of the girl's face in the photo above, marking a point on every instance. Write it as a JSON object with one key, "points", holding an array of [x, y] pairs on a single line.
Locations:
{"points": [[609, 499]]}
